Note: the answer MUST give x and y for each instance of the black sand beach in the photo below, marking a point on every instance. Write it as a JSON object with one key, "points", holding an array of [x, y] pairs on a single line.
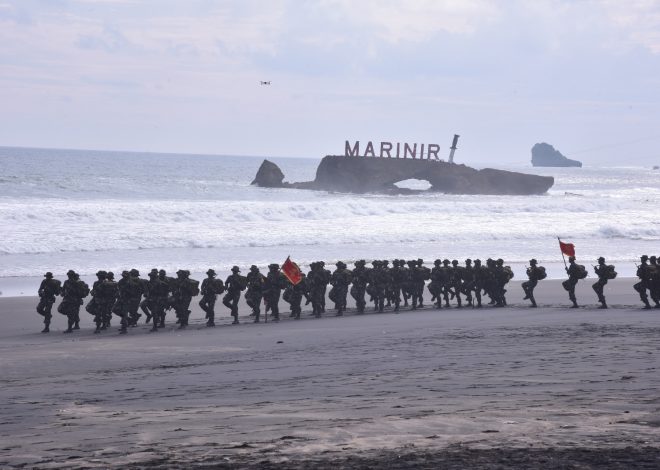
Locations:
{"points": [[491, 388]]}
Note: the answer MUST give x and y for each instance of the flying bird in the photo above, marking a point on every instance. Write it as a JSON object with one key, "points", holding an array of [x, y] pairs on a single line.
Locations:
{"points": [[265, 83]]}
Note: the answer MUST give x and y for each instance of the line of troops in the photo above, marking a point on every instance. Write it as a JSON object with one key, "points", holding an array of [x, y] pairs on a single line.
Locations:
{"points": [[403, 282]]}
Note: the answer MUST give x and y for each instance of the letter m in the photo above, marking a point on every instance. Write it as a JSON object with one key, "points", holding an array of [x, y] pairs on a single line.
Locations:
{"points": [[352, 152]]}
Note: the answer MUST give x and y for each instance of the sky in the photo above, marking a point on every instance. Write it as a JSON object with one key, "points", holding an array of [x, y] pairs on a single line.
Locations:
{"points": [[184, 76]]}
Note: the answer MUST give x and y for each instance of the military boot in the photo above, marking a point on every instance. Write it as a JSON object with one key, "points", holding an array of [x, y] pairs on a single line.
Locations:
{"points": [[76, 326], [46, 329]]}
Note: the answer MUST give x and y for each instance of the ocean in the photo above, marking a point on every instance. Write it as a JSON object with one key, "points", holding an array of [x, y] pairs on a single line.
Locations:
{"points": [[91, 210]]}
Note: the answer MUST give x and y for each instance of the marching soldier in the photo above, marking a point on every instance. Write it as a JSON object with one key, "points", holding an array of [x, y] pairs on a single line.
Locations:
{"points": [[275, 282], [254, 293], [73, 292], [575, 273], [535, 274], [358, 289], [234, 284], [48, 290], [211, 287], [604, 272], [156, 292], [340, 281], [186, 289], [644, 284]]}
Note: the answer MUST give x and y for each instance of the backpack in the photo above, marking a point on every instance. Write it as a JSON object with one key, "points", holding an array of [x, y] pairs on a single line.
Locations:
{"points": [[581, 271], [82, 289], [610, 273], [541, 273], [192, 287]]}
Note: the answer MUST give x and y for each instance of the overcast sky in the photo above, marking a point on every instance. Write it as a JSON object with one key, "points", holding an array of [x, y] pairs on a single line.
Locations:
{"points": [[183, 76]]}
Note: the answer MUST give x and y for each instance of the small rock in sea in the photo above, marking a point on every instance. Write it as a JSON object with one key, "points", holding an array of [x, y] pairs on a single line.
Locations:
{"points": [[280, 342]]}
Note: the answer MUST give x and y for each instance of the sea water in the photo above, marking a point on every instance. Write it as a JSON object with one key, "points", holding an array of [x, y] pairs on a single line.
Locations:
{"points": [[91, 210]]}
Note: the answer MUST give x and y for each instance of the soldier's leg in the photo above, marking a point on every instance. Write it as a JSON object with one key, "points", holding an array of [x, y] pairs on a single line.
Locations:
{"points": [[571, 294], [71, 321], [210, 311], [234, 308], [147, 308], [640, 287]]}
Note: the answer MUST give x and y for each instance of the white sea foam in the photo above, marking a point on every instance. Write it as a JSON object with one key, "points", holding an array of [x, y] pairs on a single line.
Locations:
{"points": [[194, 211]]}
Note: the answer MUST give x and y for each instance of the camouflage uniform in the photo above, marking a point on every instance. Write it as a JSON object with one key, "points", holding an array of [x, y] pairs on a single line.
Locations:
{"points": [[398, 277], [73, 292], [340, 280], [377, 285], [419, 277], [456, 281], [48, 290], [234, 284], [254, 293], [535, 274], [358, 289], [275, 282], [479, 275], [644, 275], [316, 283], [121, 303], [604, 273], [468, 281], [211, 287], [654, 269], [293, 295], [574, 276], [156, 292], [136, 287], [186, 289], [94, 305]]}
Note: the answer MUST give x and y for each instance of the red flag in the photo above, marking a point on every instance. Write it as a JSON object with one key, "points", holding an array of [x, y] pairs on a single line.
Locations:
{"points": [[567, 248], [291, 271]]}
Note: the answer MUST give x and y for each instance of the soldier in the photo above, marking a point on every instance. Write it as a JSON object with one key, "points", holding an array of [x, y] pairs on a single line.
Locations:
{"points": [[146, 305], [535, 274], [420, 274], [358, 289], [48, 290], [456, 281], [654, 269], [234, 284], [604, 272], [186, 289], [644, 275], [503, 274], [73, 291], [94, 306], [121, 303], [254, 294], [275, 282], [446, 282], [435, 286], [156, 292], [171, 282], [398, 277], [135, 290], [468, 281], [340, 280], [377, 285], [83, 291], [324, 279], [575, 273], [211, 287], [316, 287], [293, 294], [107, 296], [480, 276]]}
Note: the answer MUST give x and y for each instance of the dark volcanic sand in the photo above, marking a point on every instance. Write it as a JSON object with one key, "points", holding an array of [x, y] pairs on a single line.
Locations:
{"points": [[490, 388]]}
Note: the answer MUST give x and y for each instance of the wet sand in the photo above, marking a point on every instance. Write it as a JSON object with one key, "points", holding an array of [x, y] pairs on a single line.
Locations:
{"points": [[551, 387]]}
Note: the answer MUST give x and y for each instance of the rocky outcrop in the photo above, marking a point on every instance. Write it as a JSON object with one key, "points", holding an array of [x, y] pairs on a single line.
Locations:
{"points": [[545, 155], [269, 175], [379, 175]]}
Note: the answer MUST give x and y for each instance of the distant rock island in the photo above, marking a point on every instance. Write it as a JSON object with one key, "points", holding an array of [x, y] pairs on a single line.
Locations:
{"points": [[545, 155], [378, 175]]}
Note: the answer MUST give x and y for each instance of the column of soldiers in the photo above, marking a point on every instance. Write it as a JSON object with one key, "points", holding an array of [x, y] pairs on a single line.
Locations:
{"points": [[381, 285]]}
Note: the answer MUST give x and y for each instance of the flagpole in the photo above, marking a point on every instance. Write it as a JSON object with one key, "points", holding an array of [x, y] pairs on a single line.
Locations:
{"points": [[562, 253]]}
